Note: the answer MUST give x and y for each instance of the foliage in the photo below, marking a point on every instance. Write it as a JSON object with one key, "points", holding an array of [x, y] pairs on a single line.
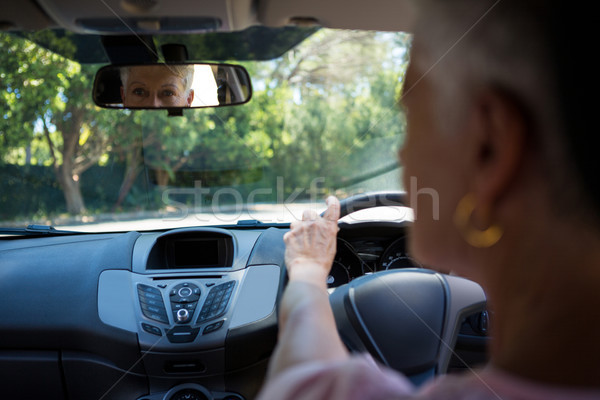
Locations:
{"points": [[326, 109], [45, 98]]}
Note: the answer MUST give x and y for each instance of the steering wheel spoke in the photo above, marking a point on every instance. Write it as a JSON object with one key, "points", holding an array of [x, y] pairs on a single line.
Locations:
{"points": [[407, 319]]}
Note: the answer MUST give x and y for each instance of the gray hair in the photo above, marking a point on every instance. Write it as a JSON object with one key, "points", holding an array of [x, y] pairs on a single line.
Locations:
{"points": [[184, 71], [471, 44]]}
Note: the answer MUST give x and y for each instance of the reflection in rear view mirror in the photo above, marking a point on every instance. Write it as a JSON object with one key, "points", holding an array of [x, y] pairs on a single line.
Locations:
{"points": [[171, 86]]}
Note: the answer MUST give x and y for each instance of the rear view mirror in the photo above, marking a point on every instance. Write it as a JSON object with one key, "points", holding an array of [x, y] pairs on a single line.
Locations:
{"points": [[171, 86]]}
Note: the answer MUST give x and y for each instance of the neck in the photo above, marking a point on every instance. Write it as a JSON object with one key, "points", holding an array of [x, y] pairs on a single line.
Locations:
{"points": [[545, 301]]}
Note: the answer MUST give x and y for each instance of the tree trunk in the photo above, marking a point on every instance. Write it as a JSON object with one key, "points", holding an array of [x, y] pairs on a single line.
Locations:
{"points": [[132, 171], [162, 177], [71, 191], [67, 178]]}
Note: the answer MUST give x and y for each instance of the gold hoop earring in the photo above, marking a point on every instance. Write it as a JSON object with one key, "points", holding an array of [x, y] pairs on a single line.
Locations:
{"points": [[473, 236]]}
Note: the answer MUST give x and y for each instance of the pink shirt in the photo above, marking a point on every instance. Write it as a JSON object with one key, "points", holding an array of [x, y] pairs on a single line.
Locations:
{"points": [[360, 378]]}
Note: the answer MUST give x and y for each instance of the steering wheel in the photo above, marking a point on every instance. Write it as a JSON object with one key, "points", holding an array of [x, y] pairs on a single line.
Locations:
{"points": [[408, 319], [372, 199]]}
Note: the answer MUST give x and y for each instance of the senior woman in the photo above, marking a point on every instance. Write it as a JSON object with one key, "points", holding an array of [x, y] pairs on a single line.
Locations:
{"points": [[157, 86], [498, 125]]}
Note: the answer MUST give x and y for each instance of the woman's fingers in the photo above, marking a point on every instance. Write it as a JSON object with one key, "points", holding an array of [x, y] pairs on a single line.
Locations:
{"points": [[313, 239], [333, 209], [309, 215]]}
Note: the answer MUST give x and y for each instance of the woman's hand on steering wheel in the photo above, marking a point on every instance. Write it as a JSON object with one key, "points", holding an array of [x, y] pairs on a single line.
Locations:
{"points": [[311, 244]]}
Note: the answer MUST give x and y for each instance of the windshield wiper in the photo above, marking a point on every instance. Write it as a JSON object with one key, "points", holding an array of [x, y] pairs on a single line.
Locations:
{"points": [[35, 230]]}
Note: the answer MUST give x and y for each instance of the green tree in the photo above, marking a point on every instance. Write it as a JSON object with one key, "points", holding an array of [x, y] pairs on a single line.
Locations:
{"points": [[43, 89], [331, 104], [323, 109]]}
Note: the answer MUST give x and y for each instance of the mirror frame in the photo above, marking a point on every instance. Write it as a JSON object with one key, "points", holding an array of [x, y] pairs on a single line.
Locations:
{"points": [[111, 98]]}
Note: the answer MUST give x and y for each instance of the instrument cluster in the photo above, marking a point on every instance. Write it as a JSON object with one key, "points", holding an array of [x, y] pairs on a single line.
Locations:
{"points": [[367, 248]]}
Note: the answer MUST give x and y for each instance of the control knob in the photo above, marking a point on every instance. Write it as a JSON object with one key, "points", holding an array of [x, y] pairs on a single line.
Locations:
{"points": [[183, 315]]}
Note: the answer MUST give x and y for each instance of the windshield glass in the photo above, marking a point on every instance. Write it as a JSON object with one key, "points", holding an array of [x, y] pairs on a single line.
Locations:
{"points": [[323, 120]]}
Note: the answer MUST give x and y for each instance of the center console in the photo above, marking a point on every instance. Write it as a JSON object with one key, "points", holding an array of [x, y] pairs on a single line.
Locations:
{"points": [[202, 302]]}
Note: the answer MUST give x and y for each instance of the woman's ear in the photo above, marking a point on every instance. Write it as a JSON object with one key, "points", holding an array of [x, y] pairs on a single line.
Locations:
{"points": [[190, 98], [501, 130]]}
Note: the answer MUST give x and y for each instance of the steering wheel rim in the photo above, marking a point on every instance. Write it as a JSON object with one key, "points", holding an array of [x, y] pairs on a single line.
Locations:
{"points": [[372, 199]]}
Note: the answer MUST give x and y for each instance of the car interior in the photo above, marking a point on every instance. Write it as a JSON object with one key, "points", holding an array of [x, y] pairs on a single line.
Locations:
{"points": [[184, 311]]}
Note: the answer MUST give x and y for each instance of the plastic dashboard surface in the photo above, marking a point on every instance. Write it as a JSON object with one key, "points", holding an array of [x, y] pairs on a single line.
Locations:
{"points": [[116, 316], [189, 307], [141, 315]]}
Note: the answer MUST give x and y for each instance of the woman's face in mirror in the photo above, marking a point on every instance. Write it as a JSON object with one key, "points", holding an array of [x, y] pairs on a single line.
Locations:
{"points": [[155, 87]]}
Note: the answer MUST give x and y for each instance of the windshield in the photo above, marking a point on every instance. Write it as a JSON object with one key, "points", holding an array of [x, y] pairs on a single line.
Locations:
{"points": [[323, 120]]}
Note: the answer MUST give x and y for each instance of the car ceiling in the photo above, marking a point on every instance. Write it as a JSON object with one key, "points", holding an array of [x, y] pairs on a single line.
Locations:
{"points": [[231, 15]]}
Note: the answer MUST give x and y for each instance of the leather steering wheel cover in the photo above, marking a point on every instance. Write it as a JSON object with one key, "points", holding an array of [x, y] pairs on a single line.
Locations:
{"points": [[407, 319]]}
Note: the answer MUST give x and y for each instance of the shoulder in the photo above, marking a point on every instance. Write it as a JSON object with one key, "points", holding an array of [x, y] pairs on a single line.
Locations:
{"points": [[491, 384], [361, 378]]}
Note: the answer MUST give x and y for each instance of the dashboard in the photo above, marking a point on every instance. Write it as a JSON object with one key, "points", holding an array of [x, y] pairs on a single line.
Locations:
{"points": [[179, 314], [369, 247]]}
